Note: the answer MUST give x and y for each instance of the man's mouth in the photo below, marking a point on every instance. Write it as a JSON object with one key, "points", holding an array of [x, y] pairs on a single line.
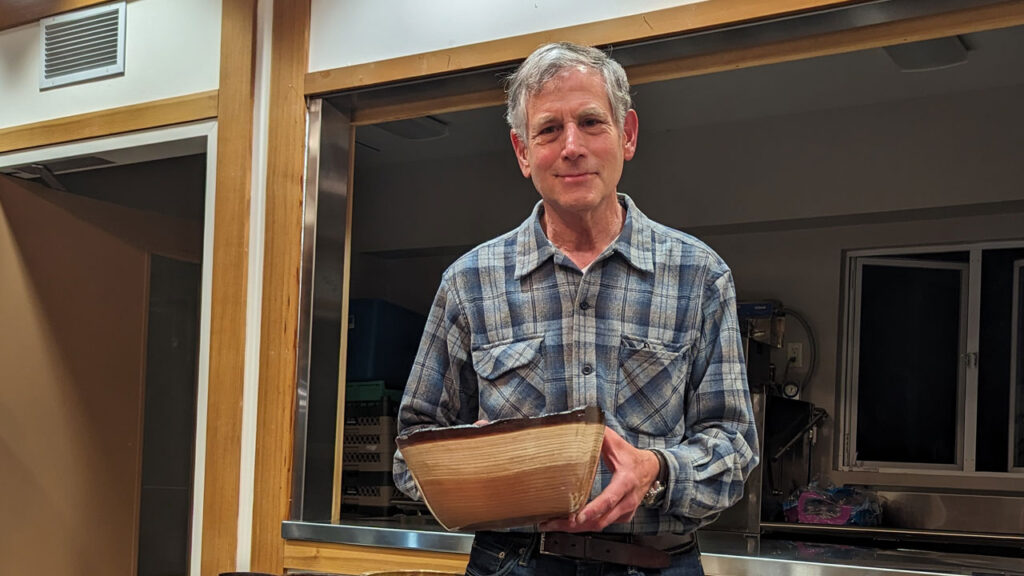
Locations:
{"points": [[575, 176]]}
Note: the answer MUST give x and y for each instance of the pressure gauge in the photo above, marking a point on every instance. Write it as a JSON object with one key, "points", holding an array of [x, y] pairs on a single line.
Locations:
{"points": [[790, 390]]}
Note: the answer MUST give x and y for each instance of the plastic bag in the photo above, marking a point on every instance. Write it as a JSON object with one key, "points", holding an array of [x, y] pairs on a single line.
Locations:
{"points": [[844, 505]]}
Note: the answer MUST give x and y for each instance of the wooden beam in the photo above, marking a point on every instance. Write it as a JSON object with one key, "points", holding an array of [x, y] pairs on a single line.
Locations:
{"points": [[965, 21], [666, 22], [230, 267], [281, 262], [188, 108], [351, 559], [17, 12]]}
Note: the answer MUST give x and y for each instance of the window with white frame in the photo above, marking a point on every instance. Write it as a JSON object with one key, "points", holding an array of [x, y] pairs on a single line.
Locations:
{"points": [[932, 358], [1016, 445]]}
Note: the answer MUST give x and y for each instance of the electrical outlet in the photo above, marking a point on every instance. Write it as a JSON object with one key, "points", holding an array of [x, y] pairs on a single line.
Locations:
{"points": [[795, 351]]}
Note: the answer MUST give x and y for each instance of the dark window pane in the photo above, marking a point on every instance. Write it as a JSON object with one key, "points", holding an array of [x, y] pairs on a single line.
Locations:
{"points": [[908, 369], [994, 353]]}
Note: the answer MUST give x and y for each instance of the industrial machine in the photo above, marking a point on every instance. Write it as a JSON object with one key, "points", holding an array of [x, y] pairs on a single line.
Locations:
{"points": [[783, 424]]}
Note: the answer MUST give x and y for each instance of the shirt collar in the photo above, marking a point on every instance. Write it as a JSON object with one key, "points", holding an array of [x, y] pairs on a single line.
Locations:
{"points": [[634, 241]]}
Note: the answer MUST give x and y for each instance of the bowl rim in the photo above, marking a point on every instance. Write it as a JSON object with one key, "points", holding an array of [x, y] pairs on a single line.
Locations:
{"points": [[585, 415]]}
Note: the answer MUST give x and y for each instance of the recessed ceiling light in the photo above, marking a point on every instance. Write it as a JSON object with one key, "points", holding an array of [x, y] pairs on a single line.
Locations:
{"points": [[928, 54]]}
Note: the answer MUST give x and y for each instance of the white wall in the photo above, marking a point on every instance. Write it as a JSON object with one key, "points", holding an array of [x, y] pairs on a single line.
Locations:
{"points": [[172, 48], [948, 150], [339, 33]]}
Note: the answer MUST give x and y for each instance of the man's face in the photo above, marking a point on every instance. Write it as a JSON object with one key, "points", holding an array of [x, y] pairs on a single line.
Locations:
{"points": [[573, 149]]}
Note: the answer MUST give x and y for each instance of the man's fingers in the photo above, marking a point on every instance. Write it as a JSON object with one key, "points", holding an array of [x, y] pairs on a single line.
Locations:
{"points": [[605, 502], [614, 504], [621, 513], [595, 516], [619, 500]]}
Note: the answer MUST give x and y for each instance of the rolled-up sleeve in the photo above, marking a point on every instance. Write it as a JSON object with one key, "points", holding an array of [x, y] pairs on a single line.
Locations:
{"points": [[720, 447], [441, 387]]}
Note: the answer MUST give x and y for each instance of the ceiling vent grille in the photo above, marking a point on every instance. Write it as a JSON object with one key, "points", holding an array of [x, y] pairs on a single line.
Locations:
{"points": [[82, 45]]}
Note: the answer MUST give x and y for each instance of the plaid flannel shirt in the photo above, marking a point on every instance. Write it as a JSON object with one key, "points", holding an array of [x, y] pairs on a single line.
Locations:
{"points": [[649, 333]]}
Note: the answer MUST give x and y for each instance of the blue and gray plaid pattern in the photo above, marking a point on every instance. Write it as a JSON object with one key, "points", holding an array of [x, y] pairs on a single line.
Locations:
{"points": [[649, 333]]}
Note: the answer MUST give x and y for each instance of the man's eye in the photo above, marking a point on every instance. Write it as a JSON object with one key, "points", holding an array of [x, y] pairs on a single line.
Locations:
{"points": [[546, 130], [590, 122]]}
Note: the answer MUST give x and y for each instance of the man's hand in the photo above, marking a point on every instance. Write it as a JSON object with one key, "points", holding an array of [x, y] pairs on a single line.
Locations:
{"points": [[633, 472]]}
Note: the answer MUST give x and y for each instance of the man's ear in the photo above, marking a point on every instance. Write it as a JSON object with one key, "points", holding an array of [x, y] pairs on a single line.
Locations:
{"points": [[630, 132], [521, 153]]}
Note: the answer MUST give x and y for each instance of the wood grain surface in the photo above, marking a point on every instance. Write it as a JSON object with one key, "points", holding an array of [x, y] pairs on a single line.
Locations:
{"points": [[230, 268], [177, 110], [351, 559], [281, 261]]}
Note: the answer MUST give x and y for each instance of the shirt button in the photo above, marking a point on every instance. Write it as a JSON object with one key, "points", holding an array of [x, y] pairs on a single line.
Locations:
{"points": [[587, 369], [584, 306]]}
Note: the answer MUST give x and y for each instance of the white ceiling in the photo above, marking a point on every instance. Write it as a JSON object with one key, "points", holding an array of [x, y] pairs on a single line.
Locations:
{"points": [[995, 59]]}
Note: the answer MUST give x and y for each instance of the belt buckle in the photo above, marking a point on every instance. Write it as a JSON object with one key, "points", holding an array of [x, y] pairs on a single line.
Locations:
{"points": [[541, 547]]}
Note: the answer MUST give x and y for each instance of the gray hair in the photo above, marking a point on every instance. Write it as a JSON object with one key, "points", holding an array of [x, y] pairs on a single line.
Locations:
{"points": [[546, 62]]}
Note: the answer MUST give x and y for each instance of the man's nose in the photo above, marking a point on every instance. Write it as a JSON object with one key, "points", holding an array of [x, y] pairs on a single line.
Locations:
{"points": [[571, 146]]}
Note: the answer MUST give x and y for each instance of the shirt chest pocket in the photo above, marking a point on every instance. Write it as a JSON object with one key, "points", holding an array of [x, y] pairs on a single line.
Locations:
{"points": [[511, 378], [651, 395]]}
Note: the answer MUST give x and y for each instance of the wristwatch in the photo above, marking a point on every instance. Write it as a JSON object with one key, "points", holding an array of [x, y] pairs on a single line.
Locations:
{"points": [[656, 492]]}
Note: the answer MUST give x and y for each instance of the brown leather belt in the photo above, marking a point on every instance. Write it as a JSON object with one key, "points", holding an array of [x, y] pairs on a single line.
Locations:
{"points": [[584, 547]]}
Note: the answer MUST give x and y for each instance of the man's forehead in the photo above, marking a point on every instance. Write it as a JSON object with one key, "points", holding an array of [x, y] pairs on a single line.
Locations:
{"points": [[585, 110], [552, 98], [565, 74]]}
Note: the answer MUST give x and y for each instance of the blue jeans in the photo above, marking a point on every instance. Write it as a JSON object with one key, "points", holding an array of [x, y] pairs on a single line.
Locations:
{"points": [[514, 554]]}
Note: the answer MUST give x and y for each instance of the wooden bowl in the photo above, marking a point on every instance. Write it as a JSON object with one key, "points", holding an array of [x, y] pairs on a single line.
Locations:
{"points": [[508, 473]]}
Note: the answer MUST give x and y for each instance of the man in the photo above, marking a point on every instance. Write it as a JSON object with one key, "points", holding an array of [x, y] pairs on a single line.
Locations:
{"points": [[589, 302]]}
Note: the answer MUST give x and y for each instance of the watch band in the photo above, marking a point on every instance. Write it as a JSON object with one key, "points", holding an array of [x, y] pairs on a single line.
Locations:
{"points": [[656, 493], [662, 468]]}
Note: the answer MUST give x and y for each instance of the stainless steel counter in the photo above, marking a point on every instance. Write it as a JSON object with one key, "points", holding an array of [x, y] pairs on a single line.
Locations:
{"points": [[722, 553], [435, 540]]}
